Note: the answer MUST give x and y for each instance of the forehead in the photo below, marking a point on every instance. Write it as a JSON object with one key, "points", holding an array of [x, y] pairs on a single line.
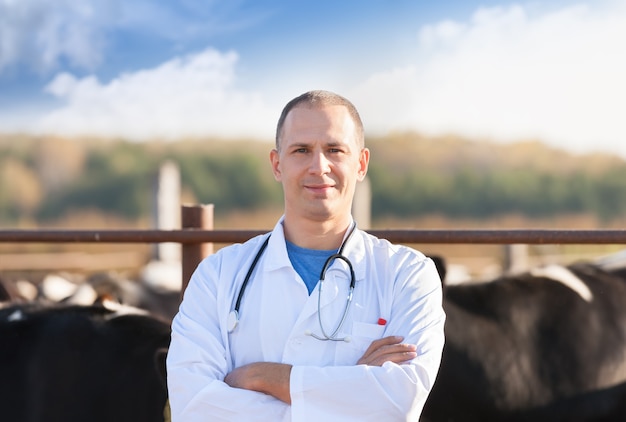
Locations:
{"points": [[329, 123]]}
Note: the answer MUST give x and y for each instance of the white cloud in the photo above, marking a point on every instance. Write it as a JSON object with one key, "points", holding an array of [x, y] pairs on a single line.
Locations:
{"points": [[46, 35], [186, 96], [510, 74], [42, 33], [506, 73]]}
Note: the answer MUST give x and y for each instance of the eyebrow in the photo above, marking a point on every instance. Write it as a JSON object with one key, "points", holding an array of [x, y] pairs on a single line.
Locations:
{"points": [[328, 144]]}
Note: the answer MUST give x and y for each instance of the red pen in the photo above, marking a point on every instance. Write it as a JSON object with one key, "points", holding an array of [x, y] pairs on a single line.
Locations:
{"points": [[382, 321]]}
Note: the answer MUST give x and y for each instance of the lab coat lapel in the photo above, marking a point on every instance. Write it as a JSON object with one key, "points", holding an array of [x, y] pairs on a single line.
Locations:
{"points": [[335, 278], [334, 291], [355, 252], [337, 281]]}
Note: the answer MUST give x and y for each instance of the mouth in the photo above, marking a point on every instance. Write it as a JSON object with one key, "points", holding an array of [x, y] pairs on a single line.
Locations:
{"points": [[318, 189]]}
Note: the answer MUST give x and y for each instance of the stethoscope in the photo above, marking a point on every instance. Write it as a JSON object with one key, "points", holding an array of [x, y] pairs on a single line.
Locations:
{"points": [[233, 316]]}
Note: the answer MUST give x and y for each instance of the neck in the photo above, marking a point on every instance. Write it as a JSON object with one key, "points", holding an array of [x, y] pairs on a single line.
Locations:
{"points": [[325, 235]]}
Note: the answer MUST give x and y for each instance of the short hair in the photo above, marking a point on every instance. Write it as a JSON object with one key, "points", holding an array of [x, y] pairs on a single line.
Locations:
{"points": [[321, 98]]}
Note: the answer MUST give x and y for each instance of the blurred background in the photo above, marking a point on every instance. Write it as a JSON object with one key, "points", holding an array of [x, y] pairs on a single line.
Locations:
{"points": [[487, 114]]}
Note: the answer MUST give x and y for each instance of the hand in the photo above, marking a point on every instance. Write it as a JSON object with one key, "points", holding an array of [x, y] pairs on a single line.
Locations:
{"points": [[388, 349], [264, 377]]}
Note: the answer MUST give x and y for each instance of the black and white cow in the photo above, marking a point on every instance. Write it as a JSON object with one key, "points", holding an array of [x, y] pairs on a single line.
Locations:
{"points": [[16, 291], [110, 286], [80, 363], [547, 345]]}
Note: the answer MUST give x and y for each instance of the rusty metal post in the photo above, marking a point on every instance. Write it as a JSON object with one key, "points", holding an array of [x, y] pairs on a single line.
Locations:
{"points": [[195, 217]]}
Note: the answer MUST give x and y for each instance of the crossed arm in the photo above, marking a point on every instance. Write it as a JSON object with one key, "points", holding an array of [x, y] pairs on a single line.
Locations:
{"points": [[273, 378]]}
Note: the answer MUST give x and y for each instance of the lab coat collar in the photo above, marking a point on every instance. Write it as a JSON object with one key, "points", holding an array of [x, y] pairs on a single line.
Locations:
{"points": [[277, 257], [354, 250]]}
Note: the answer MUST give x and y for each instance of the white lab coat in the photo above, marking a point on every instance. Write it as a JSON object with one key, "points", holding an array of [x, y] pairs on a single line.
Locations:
{"points": [[393, 282]]}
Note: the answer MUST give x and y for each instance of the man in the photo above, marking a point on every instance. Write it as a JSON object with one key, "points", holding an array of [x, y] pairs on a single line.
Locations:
{"points": [[259, 338]]}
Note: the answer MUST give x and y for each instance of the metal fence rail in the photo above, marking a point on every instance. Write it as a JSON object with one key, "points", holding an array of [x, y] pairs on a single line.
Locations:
{"points": [[198, 236], [194, 236]]}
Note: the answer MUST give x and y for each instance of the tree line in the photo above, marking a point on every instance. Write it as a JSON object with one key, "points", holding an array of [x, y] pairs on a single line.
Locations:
{"points": [[411, 175]]}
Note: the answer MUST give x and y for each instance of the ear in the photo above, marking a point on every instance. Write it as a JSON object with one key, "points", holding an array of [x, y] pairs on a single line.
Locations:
{"points": [[275, 162], [364, 160]]}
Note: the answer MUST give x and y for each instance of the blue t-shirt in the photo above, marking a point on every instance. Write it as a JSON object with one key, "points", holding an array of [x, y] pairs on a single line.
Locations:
{"points": [[308, 263]]}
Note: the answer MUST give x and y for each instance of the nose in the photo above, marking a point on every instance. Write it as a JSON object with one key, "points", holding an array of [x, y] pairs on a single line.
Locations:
{"points": [[320, 164]]}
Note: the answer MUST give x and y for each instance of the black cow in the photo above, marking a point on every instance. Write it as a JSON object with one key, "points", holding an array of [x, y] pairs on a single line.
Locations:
{"points": [[548, 345], [80, 363]]}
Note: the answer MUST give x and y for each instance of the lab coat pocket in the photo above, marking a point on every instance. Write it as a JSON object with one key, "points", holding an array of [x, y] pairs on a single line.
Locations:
{"points": [[367, 331], [362, 335]]}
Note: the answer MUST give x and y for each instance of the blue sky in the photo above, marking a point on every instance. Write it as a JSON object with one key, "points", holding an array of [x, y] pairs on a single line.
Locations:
{"points": [[550, 70]]}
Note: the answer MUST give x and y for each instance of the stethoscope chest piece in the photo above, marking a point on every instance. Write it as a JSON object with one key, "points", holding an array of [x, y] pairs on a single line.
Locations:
{"points": [[233, 320]]}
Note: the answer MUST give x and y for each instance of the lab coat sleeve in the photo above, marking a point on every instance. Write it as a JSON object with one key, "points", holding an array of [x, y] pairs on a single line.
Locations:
{"points": [[391, 392], [197, 363]]}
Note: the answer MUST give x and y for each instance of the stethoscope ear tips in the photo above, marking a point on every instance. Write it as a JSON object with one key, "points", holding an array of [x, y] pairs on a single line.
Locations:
{"points": [[233, 320]]}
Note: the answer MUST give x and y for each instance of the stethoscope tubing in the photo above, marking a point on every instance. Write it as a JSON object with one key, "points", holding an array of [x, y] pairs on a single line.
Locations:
{"points": [[233, 316], [242, 289], [333, 336]]}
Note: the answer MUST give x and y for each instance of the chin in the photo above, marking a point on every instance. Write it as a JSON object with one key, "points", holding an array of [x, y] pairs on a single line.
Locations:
{"points": [[318, 213]]}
